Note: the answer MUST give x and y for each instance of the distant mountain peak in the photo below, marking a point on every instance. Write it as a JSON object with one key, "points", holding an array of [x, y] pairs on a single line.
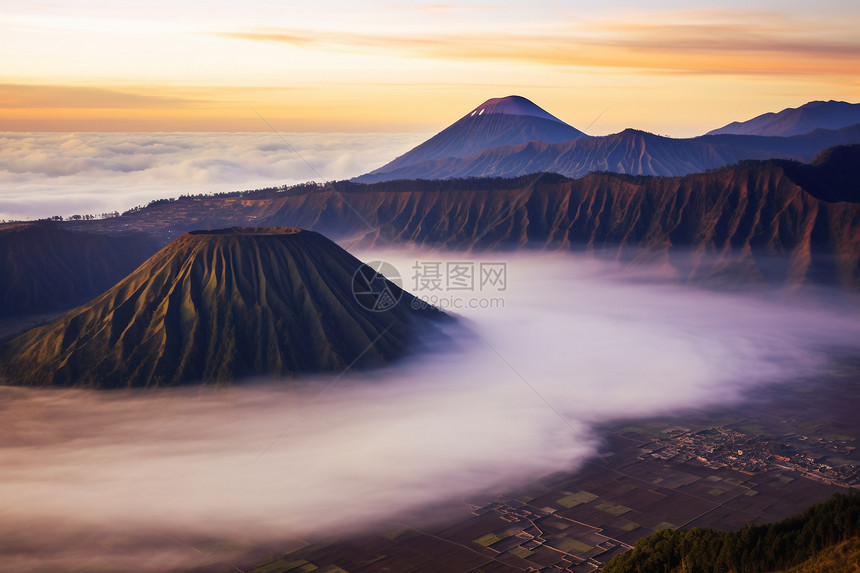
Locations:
{"points": [[800, 120], [511, 120], [512, 105]]}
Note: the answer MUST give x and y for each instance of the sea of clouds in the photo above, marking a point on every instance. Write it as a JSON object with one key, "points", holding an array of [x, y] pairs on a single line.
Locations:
{"points": [[47, 174], [148, 481]]}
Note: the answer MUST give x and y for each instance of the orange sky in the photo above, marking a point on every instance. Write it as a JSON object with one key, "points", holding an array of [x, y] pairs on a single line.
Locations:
{"points": [[88, 65]]}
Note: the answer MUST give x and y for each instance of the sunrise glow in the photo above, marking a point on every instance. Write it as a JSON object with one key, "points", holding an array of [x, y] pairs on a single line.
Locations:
{"points": [[410, 66]]}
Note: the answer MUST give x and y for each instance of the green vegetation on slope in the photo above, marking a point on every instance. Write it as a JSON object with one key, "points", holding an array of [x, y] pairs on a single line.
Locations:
{"points": [[776, 546], [841, 558]]}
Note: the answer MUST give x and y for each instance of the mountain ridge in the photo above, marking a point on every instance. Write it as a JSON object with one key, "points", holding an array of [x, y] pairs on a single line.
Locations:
{"points": [[482, 144], [796, 120], [630, 151], [61, 269], [773, 221], [758, 213]]}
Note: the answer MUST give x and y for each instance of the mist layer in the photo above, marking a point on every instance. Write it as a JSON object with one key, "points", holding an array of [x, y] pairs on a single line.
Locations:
{"points": [[146, 481], [47, 174]]}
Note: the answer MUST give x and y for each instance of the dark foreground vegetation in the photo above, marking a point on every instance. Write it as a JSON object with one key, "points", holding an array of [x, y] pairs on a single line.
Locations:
{"points": [[826, 532]]}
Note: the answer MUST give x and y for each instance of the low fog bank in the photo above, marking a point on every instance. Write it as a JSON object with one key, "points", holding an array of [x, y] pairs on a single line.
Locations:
{"points": [[46, 174], [148, 481]]}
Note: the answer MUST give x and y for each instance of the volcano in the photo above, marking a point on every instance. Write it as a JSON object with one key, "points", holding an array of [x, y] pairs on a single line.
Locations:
{"points": [[509, 120], [497, 147], [215, 306]]}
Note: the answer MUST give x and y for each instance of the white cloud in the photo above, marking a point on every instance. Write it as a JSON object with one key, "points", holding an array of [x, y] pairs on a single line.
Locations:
{"points": [[45, 174], [156, 472]]}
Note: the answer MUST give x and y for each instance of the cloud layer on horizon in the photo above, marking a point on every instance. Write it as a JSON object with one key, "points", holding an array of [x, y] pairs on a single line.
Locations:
{"points": [[46, 174]]}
